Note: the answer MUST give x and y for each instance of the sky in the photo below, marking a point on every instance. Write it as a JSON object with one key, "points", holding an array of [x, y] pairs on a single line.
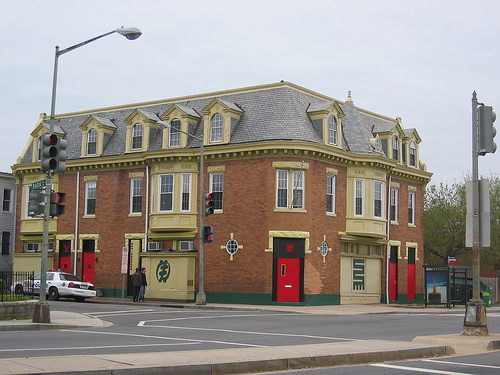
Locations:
{"points": [[418, 60]]}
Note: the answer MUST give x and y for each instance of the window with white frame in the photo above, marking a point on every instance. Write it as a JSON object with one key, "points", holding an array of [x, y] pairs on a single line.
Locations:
{"points": [[413, 155], [166, 198], [290, 189], [7, 200], [395, 148], [92, 142], [330, 194], [174, 139], [137, 132], [332, 130], [90, 197], [411, 208], [359, 193], [394, 204], [216, 188], [32, 247], [186, 192], [378, 194], [216, 125], [136, 195]]}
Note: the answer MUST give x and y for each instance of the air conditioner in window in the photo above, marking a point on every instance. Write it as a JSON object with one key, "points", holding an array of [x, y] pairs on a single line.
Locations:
{"points": [[187, 245], [154, 246]]}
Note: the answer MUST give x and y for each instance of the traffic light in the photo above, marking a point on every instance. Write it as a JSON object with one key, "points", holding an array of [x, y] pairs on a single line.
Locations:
{"points": [[56, 206], [53, 153], [34, 207], [208, 234], [209, 204], [486, 118]]}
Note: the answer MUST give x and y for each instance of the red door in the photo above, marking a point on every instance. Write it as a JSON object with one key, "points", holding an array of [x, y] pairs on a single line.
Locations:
{"points": [[288, 283], [65, 255], [88, 267], [393, 274]]}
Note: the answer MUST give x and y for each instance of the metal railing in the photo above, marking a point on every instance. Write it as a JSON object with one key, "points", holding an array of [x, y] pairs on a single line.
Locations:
{"points": [[15, 286]]}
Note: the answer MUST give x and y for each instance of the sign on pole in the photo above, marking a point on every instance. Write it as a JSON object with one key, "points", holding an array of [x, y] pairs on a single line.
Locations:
{"points": [[124, 260]]}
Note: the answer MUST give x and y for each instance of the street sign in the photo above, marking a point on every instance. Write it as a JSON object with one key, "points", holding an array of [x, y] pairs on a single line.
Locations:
{"points": [[124, 259], [39, 185]]}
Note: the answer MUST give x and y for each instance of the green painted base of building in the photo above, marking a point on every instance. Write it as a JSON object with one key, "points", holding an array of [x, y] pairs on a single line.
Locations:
{"points": [[403, 300]]}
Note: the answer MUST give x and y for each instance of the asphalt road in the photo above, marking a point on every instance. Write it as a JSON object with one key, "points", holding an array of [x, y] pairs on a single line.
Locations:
{"points": [[149, 328]]}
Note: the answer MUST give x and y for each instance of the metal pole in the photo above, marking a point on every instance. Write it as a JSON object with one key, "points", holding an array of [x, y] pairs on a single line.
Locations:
{"points": [[201, 298]]}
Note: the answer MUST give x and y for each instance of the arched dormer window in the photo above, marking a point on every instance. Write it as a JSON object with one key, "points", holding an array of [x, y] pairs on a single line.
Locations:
{"points": [[413, 155], [332, 130], [216, 125], [92, 142], [137, 137], [395, 148], [174, 139]]}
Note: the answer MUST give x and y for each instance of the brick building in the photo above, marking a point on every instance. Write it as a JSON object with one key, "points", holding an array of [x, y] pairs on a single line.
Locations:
{"points": [[316, 201]]}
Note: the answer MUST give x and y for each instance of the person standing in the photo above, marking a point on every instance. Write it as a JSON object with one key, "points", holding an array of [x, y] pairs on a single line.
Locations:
{"points": [[144, 284], [136, 283]]}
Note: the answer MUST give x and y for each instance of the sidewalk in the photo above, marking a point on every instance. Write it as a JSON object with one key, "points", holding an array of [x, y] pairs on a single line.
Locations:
{"points": [[246, 360]]}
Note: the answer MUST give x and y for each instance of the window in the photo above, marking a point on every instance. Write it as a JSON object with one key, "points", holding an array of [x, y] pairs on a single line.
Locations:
{"points": [[332, 130], [92, 142], [378, 144], [174, 139], [411, 208], [90, 196], [394, 205], [5, 243], [330, 194], [137, 137], [7, 200], [284, 176], [166, 192], [395, 148], [32, 247], [216, 188], [136, 196], [186, 192], [378, 198], [216, 128], [359, 192], [298, 189], [413, 155]]}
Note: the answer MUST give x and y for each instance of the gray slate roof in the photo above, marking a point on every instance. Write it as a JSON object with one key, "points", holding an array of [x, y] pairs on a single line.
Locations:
{"points": [[278, 113]]}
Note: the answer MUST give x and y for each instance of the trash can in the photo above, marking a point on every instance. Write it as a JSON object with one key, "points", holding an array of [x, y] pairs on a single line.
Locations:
{"points": [[487, 297]]}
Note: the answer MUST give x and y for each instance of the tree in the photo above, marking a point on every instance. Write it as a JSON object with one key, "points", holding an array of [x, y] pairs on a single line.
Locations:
{"points": [[445, 208]]}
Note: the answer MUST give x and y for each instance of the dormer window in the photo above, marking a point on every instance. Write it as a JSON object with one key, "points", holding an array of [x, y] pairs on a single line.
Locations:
{"points": [[332, 130], [327, 120], [220, 120], [216, 125], [92, 142], [413, 155], [137, 137], [395, 148], [174, 138]]}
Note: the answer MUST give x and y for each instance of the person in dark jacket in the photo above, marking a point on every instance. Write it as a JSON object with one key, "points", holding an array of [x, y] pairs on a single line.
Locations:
{"points": [[144, 284], [136, 283]]}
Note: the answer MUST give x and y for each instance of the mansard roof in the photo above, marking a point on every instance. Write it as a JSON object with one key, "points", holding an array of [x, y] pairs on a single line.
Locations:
{"points": [[274, 112]]}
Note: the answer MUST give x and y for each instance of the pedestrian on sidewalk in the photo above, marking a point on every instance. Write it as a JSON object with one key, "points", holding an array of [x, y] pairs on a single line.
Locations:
{"points": [[144, 284], [136, 283]]}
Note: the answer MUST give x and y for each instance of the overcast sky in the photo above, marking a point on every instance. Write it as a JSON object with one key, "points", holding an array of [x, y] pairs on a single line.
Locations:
{"points": [[418, 60]]}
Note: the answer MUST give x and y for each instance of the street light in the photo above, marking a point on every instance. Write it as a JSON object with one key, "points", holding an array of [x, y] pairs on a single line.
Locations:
{"points": [[201, 298], [42, 309]]}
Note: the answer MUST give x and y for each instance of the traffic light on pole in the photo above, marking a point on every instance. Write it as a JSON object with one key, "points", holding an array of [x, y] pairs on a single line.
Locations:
{"points": [[34, 207], [208, 234], [57, 207], [486, 118], [209, 204], [53, 153]]}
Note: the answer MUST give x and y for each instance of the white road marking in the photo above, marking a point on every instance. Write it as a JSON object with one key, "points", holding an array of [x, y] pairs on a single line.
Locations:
{"points": [[123, 312], [142, 324], [215, 317], [417, 369], [459, 363], [163, 338]]}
